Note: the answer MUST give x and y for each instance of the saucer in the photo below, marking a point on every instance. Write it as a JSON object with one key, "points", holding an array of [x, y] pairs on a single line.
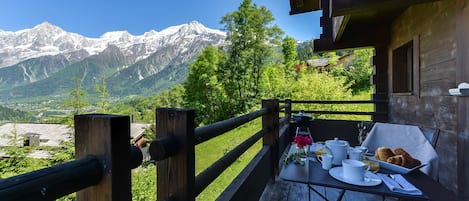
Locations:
{"points": [[370, 178]]}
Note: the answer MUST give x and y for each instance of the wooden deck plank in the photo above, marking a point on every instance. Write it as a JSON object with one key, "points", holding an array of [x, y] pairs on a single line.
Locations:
{"points": [[281, 190]]}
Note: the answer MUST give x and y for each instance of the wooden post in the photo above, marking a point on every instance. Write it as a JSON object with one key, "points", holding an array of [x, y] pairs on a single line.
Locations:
{"points": [[108, 138], [380, 82], [462, 75], [176, 175], [288, 110], [270, 122]]}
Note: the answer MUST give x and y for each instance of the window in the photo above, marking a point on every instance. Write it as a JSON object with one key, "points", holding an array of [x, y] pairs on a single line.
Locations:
{"points": [[402, 69]]}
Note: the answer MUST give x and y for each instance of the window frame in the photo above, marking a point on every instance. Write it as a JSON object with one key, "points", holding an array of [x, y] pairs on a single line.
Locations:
{"points": [[415, 77]]}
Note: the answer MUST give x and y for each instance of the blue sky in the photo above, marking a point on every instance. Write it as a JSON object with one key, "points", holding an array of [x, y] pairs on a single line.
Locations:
{"points": [[92, 18]]}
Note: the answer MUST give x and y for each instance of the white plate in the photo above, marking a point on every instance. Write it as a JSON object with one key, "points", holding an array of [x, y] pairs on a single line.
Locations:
{"points": [[370, 178], [395, 168]]}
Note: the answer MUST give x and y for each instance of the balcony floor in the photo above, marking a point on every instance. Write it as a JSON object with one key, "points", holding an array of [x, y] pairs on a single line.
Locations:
{"points": [[289, 191]]}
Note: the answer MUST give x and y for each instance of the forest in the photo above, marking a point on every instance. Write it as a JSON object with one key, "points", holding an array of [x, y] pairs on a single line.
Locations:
{"points": [[257, 62]]}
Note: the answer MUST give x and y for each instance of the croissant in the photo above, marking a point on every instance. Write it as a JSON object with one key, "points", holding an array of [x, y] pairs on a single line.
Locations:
{"points": [[400, 151], [396, 160], [383, 153], [403, 160]]}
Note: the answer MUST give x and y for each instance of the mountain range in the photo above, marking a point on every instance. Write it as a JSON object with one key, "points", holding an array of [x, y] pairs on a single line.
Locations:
{"points": [[44, 61]]}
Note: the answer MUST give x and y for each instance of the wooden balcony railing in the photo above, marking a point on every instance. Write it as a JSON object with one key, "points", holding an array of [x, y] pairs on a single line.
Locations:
{"points": [[176, 179], [380, 115], [104, 157]]}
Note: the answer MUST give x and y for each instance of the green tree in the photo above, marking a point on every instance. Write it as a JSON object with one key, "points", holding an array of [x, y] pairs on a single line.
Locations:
{"points": [[204, 92], [357, 71], [103, 96], [312, 85], [276, 83], [76, 102], [360, 70], [13, 139], [251, 38], [289, 51], [77, 98], [305, 50]]}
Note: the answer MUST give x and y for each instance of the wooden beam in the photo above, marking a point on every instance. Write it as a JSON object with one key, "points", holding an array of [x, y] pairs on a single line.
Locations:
{"points": [[303, 6], [108, 138], [353, 37], [339, 25], [348, 7], [462, 75], [53, 182]]}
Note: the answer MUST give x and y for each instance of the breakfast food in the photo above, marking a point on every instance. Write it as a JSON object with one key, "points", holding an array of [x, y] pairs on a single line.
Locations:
{"points": [[403, 159], [397, 156], [400, 151], [383, 153], [320, 152]]}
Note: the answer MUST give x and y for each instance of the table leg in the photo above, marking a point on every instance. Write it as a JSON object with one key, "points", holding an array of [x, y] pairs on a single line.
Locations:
{"points": [[342, 192], [310, 187]]}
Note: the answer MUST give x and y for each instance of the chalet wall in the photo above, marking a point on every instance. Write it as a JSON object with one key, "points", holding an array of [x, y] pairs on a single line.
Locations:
{"points": [[434, 26]]}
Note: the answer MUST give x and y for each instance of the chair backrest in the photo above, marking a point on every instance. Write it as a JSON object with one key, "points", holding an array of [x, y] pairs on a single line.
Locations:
{"points": [[431, 134]]}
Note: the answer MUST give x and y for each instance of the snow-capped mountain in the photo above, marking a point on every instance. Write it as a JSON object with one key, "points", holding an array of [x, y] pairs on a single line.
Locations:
{"points": [[44, 60], [48, 39]]}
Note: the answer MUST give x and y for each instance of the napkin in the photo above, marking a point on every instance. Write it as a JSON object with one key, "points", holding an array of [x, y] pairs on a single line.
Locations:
{"points": [[393, 185]]}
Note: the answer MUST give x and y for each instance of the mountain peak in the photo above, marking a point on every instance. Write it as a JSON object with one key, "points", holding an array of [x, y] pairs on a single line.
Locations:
{"points": [[46, 26], [117, 34], [49, 39], [196, 26], [195, 23]]}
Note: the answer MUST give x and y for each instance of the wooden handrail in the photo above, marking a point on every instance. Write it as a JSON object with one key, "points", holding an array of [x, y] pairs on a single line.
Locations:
{"points": [[59, 180], [53, 182], [283, 121], [337, 101], [208, 132], [286, 105], [339, 112], [373, 115]]}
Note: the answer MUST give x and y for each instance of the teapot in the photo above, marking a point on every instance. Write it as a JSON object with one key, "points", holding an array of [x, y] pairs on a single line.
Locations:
{"points": [[338, 149]]}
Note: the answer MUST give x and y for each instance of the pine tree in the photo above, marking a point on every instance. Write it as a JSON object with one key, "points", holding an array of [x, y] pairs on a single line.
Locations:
{"points": [[103, 95]]}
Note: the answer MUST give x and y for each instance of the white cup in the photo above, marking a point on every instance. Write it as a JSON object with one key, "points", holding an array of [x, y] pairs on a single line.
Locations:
{"points": [[355, 154], [354, 170], [326, 161], [362, 148]]}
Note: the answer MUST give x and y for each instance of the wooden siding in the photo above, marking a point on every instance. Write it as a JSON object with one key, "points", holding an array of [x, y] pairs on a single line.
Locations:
{"points": [[434, 25]]}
